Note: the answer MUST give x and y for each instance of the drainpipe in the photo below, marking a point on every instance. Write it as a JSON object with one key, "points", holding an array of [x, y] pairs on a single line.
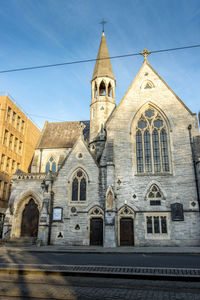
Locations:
{"points": [[50, 217], [194, 164]]}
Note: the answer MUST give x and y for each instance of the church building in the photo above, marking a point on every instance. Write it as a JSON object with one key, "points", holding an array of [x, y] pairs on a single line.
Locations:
{"points": [[128, 177]]}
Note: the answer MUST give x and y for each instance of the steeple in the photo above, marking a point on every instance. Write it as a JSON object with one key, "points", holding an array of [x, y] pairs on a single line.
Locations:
{"points": [[103, 90], [103, 67]]}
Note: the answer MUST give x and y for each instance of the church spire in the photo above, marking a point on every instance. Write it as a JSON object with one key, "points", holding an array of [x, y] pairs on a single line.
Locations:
{"points": [[103, 91], [103, 67]]}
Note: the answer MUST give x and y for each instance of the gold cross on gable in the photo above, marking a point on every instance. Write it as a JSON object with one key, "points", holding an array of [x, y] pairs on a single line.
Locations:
{"points": [[145, 53], [103, 23]]}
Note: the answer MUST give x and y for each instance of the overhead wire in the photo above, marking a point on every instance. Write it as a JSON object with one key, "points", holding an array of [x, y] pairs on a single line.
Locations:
{"points": [[90, 60], [95, 59]]}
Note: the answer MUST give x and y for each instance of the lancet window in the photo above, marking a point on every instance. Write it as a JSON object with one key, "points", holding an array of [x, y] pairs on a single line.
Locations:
{"points": [[152, 146], [79, 186], [51, 165], [102, 89], [109, 90]]}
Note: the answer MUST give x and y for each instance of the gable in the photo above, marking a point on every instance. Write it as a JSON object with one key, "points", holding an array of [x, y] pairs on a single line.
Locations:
{"points": [[79, 156], [148, 86]]}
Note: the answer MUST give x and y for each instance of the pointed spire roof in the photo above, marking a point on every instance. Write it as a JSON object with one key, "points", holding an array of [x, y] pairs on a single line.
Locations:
{"points": [[103, 67]]}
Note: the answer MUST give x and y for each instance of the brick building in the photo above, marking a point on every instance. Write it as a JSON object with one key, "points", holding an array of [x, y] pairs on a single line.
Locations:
{"points": [[18, 137], [129, 176]]}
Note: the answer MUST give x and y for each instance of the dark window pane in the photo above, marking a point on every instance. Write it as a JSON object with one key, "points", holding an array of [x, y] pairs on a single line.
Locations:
{"points": [[158, 123], [156, 225], [164, 224], [54, 167], [164, 147], [158, 195], [147, 151], [156, 151], [149, 113], [75, 190], [155, 202], [79, 173], [139, 152], [51, 159], [83, 189], [47, 167], [148, 86], [149, 225], [142, 124], [154, 189], [151, 195]]}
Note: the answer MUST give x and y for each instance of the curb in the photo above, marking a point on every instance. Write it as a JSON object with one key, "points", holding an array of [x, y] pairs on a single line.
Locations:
{"points": [[182, 274], [88, 251]]}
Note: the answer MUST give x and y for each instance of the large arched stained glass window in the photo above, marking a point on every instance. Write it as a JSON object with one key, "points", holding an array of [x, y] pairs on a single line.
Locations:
{"points": [[51, 165], [79, 186], [152, 149]]}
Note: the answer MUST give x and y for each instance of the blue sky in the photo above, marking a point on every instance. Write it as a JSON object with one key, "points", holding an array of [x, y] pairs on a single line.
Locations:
{"points": [[39, 32]]}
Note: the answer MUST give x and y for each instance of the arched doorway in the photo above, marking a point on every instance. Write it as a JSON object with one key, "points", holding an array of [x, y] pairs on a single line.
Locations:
{"points": [[96, 231], [126, 227], [30, 218], [96, 226]]}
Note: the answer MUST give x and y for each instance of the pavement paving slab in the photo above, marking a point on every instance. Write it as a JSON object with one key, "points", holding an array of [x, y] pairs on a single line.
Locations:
{"points": [[99, 249], [77, 288]]}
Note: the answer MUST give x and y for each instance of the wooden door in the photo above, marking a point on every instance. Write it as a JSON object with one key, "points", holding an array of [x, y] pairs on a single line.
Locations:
{"points": [[30, 217], [96, 231], [126, 232]]}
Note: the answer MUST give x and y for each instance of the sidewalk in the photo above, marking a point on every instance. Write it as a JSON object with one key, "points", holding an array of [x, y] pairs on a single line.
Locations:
{"points": [[102, 250]]}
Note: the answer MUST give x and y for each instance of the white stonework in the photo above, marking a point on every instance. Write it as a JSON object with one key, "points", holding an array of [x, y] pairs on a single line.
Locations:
{"points": [[127, 182]]}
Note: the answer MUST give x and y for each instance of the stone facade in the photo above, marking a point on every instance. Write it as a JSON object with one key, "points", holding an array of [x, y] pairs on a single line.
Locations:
{"points": [[132, 180]]}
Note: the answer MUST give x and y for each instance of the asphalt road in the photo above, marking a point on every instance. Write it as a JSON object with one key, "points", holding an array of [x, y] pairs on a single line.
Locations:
{"points": [[133, 260]]}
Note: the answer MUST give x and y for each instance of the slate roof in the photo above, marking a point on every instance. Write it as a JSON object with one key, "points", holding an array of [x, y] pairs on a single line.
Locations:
{"points": [[103, 67], [61, 134]]}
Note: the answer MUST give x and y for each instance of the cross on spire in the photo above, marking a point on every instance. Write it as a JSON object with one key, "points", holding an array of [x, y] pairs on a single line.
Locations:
{"points": [[145, 53], [103, 23]]}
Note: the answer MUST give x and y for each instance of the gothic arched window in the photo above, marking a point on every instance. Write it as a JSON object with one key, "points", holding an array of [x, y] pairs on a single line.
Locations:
{"points": [[102, 89], [109, 90], [95, 90], [79, 186], [154, 195], [51, 165], [152, 147]]}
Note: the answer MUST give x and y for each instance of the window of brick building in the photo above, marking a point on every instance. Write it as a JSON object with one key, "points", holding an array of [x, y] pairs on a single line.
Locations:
{"points": [[11, 141], [5, 140], [13, 118], [20, 148], [3, 158], [13, 166], [8, 164], [22, 126], [8, 114], [16, 145], [18, 122]]}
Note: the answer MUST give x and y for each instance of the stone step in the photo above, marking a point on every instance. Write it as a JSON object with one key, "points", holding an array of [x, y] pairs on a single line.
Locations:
{"points": [[23, 241]]}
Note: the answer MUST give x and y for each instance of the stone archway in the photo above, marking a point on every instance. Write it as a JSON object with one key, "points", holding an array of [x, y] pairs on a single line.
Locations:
{"points": [[30, 219], [96, 226], [126, 226]]}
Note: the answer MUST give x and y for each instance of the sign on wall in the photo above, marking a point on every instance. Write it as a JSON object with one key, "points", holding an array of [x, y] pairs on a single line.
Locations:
{"points": [[57, 214], [177, 212]]}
